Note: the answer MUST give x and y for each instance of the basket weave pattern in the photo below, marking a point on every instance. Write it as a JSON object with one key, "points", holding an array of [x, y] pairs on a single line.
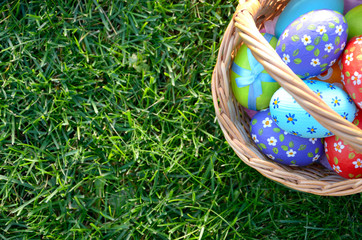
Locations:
{"points": [[234, 122]]}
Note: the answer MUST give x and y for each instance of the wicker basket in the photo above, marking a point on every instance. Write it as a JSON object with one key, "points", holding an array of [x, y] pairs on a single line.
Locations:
{"points": [[234, 122]]}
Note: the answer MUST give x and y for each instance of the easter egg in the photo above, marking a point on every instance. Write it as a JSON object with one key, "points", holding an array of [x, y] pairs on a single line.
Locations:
{"points": [[270, 25], [324, 162], [349, 4], [354, 20], [352, 69], [313, 42], [296, 8], [251, 113], [252, 86], [291, 117], [281, 146], [342, 158], [332, 75]]}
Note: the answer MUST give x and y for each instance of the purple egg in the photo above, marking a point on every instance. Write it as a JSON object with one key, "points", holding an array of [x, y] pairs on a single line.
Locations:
{"points": [[313, 42], [324, 162], [281, 146]]}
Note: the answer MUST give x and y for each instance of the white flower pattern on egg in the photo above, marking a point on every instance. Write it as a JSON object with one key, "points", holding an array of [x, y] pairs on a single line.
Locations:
{"points": [[321, 30], [306, 39], [349, 59], [360, 104], [255, 138], [286, 33], [316, 157], [339, 30], [342, 78], [358, 40], [318, 34], [356, 78], [337, 169], [315, 62], [286, 58], [331, 63], [280, 146], [291, 153], [267, 122], [343, 45], [328, 47], [338, 147], [357, 163], [272, 141]]}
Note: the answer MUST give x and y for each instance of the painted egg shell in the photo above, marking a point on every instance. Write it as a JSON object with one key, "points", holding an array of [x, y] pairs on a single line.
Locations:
{"points": [[332, 75], [354, 20], [343, 159], [281, 146], [352, 69], [349, 4], [270, 25], [324, 162], [252, 86], [251, 113], [296, 8], [313, 42], [291, 117]]}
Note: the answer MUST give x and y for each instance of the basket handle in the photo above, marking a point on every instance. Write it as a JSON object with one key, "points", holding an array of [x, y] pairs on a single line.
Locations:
{"points": [[251, 6], [244, 18]]}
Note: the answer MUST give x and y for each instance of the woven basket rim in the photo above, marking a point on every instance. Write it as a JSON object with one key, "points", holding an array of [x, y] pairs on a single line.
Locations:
{"points": [[233, 121]]}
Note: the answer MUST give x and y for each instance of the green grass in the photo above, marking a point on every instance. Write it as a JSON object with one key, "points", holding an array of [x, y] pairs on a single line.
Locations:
{"points": [[108, 131]]}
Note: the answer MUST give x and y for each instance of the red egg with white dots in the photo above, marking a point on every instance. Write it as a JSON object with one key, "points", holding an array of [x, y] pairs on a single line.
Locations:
{"points": [[351, 67], [343, 159]]}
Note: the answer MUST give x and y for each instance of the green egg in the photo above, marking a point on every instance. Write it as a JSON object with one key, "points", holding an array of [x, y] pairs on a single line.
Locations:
{"points": [[354, 20], [242, 94]]}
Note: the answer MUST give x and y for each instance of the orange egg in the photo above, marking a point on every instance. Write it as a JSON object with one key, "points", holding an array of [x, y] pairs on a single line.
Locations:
{"points": [[332, 75]]}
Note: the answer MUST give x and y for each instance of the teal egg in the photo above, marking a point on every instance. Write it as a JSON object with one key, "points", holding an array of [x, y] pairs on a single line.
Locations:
{"points": [[292, 118], [252, 86], [296, 8]]}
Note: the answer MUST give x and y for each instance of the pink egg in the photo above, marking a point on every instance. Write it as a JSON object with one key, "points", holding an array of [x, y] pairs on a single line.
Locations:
{"points": [[270, 26], [250, 112]]}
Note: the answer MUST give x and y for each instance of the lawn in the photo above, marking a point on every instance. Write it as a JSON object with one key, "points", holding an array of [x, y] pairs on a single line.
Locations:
{"points": [[108, 131]]}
